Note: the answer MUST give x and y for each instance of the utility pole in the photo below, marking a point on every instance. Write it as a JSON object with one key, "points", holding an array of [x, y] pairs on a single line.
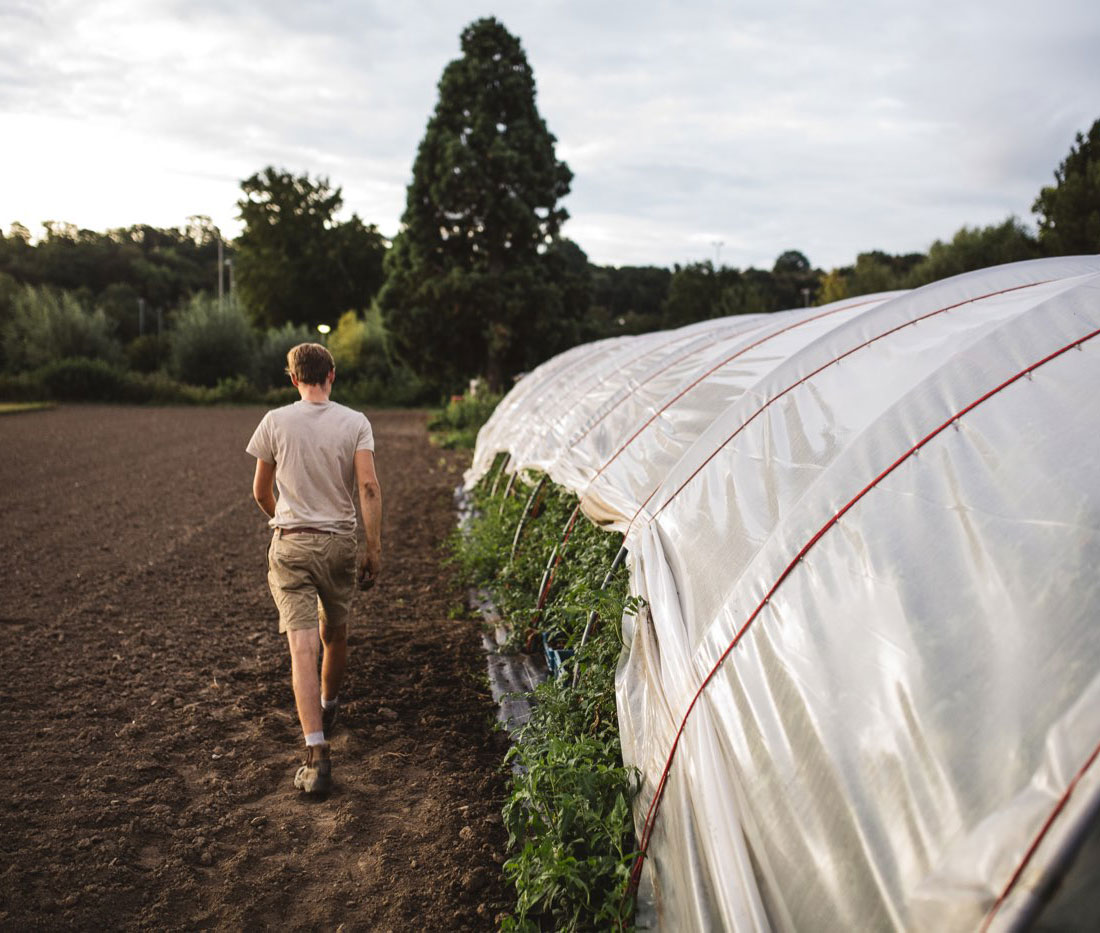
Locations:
{"points": [[141, 317], [221, 272]]}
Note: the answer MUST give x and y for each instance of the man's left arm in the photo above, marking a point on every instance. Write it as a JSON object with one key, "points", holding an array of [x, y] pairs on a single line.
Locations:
{"points": [[263, 487]]}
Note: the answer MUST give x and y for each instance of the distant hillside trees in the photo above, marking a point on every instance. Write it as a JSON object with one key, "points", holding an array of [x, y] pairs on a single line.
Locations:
{"points": [[468, 289], [119, 271]]}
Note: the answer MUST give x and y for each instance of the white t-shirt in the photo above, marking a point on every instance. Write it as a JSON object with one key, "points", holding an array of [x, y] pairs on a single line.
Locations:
{"points": [[313, 445]]}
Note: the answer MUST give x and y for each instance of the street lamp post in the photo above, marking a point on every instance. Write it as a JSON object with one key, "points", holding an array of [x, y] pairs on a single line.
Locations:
{"points": [[229, 266]]}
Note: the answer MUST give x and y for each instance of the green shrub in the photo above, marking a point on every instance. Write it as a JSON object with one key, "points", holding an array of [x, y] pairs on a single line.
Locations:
{"points": [[237, 389], [401, 389], [359, 347], [161, 389], [85, 380], [45, 326], [275, 398], [212, 342], [270, 364], [20, 387], [456, 426], [148, 353]]}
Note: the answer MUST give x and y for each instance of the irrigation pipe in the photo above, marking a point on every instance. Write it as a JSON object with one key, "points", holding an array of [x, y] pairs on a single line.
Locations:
{"points": [[593, 615]]}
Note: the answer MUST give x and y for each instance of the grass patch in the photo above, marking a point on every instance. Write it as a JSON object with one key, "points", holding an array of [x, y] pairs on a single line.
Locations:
{"points": [[568, 816], [15, 408]]}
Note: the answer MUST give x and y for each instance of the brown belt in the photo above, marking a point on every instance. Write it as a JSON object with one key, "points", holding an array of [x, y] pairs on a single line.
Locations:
{"points": [[304, 531]]}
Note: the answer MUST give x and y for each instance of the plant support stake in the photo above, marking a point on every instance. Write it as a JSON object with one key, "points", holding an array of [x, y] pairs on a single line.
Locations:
{"points": [[527, 510], [593, 614], [507, 491], [500, 473]]}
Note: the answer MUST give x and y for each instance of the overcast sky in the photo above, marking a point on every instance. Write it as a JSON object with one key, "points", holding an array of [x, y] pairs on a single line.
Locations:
{"points": [[762, 125]]}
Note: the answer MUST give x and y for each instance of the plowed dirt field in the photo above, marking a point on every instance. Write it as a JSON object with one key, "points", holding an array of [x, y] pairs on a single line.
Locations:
{"points": [[148, 722]]}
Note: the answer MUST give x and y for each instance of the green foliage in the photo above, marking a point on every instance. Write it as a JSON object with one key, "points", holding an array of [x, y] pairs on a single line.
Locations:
{"points": [[695, 293], [402, 388], [272, 347], [456, 426], [834, 287], [149, 353], [119, 301], [1069, 210], [466, 284], [162, 266], [626, 300], [85, 380], [873, 272], [80, 380], [294, 262], [969, 249], [358, 344], [699, 291], [568, 816], [45, 325], [792, 262], [211, 342], [975, 248]]}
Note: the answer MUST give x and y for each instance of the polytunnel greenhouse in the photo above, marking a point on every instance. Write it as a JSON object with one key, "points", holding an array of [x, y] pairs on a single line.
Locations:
{"points": [[863, 690]]}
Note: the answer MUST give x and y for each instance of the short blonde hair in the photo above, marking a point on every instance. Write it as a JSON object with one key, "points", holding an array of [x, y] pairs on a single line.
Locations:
{"points": [[309, 363]]}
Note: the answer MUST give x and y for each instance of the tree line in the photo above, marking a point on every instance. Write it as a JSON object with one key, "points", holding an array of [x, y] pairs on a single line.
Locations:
{"points": [[478, 280]]}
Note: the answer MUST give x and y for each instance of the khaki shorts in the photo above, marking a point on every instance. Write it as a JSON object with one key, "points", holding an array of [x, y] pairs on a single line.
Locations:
{"points": [[312, 579]]}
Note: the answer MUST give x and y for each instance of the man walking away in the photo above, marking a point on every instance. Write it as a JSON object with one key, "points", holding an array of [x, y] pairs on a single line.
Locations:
{"points": [[319, 454]]}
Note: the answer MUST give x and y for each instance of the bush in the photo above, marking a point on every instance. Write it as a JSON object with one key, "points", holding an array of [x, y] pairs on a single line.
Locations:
{"points": [[270, 364], [402, 388], [359, 347], [79, 380], [20, 387], [456, 426], [212, 342], [148, 353], [45, 326]]}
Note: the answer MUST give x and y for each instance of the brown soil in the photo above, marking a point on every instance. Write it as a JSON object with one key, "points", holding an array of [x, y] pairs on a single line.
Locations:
{"points": [[151, 739]]}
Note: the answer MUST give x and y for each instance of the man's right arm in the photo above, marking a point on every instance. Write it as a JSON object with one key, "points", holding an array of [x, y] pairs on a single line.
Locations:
{"points": [[370, 504], [263, 487]]}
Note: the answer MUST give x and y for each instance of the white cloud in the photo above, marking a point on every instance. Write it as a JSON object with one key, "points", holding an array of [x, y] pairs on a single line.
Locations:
{"points": [[823, 127]]}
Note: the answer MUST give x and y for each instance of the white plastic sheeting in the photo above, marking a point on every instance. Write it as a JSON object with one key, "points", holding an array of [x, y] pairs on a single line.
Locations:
{"points": [[867, 538]]}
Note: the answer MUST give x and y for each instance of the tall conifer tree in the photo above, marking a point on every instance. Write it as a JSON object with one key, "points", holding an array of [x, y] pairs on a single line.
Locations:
{"points": [[467, 291], [1069, 210]]}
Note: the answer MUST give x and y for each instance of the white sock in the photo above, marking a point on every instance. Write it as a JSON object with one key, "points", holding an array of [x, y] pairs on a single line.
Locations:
{"points": [[329, 704], [315, 738]]}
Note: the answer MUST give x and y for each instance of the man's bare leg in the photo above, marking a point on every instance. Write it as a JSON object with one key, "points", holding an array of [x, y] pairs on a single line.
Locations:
{"points": [[304, 648], [334, 660]]}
